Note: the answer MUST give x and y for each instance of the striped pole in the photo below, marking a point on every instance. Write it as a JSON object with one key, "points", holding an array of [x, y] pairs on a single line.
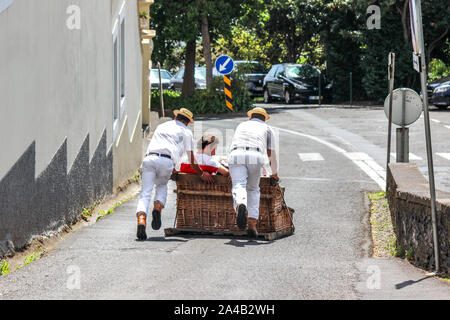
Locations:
{"points": [[228, 95]]}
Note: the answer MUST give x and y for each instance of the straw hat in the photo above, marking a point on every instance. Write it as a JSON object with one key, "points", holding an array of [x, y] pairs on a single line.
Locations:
{"points": [[260, 111], [185, 112]]}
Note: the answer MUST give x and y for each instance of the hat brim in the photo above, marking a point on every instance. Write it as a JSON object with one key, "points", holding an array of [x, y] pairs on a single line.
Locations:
{"points": [[251, 112], [177, 112]]}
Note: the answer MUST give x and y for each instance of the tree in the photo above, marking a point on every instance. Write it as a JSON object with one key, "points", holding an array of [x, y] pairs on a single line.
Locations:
{"points": [[176, 22], [395, 35], [292, 24]]}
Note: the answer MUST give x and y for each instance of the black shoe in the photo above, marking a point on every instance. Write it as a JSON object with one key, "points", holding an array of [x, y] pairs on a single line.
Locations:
{"points": [[156, 222], [241, 219], [252, 234]]}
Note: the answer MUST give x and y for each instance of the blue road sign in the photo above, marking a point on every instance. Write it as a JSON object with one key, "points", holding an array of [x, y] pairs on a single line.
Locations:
{"points": [[224, 65]]}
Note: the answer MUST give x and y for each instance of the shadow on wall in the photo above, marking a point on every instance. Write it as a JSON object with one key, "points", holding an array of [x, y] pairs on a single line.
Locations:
{"points": [[30, 207]]}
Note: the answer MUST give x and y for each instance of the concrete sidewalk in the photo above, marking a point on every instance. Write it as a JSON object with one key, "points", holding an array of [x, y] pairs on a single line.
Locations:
{"points": [[325, 259]]}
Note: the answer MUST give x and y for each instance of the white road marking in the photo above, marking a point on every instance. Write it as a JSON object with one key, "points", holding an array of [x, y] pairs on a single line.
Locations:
{"points": [[448, 127], [311, 157], [412, 156], [369, 166], [434, 120], [362, 160], [443, 155]]}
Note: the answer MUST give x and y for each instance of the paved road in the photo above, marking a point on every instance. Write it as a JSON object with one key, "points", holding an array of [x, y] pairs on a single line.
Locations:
{"points": [[328, 157]]}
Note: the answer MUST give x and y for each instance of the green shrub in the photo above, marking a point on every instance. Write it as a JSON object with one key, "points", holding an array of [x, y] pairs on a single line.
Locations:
{"points": [[210, 101], [4, 268]]}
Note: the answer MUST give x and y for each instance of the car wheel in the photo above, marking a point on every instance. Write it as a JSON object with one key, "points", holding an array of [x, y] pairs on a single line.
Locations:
{"points": [[442, 107], [267, 98], [287, 97]]}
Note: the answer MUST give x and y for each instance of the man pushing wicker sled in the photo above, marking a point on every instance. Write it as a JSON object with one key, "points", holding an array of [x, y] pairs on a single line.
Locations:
{"points": [[169, 142], [252, 139]]}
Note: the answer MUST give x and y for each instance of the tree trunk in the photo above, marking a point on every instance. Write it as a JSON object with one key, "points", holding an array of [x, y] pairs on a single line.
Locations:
{"points": [[189, 69], [207, 50], [403, 11]]}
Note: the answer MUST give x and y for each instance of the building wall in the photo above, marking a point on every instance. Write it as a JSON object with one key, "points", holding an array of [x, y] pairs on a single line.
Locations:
{"points": [[59, 150]]}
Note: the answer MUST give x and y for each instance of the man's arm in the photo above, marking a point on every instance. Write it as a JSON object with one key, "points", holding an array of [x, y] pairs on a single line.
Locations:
{"points": [[273, 163], [205, 176], [271, 144]]}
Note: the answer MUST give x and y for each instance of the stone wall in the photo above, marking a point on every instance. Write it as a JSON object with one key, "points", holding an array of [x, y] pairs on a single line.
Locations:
{"points": [[409, 202]]}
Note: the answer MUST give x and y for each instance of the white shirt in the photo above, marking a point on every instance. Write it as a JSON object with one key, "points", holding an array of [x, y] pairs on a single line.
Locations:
{"points": [[207, 160], [254, 133], [172, 138]]}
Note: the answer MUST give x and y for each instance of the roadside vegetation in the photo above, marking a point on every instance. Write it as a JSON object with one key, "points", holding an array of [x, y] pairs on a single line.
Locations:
{"points": [[383, 236], [209, 101]]}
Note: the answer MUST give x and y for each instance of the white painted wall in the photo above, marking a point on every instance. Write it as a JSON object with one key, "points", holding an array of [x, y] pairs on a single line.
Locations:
{"points": [[57, 83]]}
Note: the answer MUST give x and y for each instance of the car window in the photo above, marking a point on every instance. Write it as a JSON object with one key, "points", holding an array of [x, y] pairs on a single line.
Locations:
{"points": [[280, 71], [179, 74], [272, 71], [200, 74], [154, 76], [304, 72]]}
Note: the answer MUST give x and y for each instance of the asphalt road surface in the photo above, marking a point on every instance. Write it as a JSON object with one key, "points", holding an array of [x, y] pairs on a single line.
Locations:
{"points": [[329, 158]]}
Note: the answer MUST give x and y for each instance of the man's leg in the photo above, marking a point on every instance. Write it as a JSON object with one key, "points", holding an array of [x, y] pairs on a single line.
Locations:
{"points": [[148, 180], [165, 168], [239, 175], [253, 193]]}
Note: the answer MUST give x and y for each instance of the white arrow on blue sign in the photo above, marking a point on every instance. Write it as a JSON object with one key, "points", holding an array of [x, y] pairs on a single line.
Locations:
{"points": [[224, 65]]}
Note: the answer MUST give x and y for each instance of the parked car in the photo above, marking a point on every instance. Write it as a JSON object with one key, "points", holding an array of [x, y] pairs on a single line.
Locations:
{"points": [[165, 79], [441, 96], [254, 73], [433, 85], [176, 83], [292, 81]]}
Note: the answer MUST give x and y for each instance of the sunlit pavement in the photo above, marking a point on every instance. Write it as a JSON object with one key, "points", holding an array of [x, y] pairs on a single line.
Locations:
{"points": [[321, 150]]}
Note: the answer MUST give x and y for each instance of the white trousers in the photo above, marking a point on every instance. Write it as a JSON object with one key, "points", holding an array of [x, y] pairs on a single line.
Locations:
{"points": [[245, 170], [156, 171]]}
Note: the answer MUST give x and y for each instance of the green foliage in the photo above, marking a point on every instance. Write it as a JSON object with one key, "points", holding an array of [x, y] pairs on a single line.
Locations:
{"points": [[409, 254], [32, 257], [340, 36], [4, 268], [102, 213], [177, 22], [330, 34], [437, 69], [210, 101]]}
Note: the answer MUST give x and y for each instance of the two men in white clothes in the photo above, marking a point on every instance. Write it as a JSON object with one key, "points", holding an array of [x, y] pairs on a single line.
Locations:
{"points": [[169, 142], [252, 139]]}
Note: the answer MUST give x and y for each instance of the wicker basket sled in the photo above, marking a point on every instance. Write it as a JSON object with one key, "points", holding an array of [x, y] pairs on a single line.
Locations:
{"points": [[208, 209]]}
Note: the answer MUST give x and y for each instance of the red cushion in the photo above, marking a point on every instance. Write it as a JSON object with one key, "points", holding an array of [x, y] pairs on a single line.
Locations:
{"points": [[187, 168]]}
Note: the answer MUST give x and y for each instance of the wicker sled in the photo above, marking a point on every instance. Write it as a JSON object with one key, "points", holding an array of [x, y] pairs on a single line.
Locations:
{"points": [[208, 209]]}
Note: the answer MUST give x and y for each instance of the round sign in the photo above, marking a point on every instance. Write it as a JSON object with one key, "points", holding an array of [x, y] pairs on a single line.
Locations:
{"points": [[407, 106], [224, 65]]}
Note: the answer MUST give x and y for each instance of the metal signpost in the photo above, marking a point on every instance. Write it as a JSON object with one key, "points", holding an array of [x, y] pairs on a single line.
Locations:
{"points": [[225, 66], [161, 93], [351, 88], [419, 50], [391, 73]]}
